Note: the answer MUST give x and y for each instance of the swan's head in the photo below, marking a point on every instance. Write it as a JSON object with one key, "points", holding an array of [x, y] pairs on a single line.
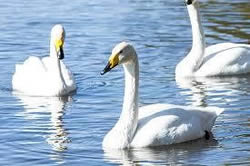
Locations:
{"points": [[190, 2], [122, 53], [57, 38]]}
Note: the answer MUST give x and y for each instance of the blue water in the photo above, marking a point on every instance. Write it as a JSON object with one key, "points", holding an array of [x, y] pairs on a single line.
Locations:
{"points": [[69, 130]]}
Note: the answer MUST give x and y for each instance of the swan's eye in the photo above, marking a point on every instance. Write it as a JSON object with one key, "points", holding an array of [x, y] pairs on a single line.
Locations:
{"points": [[121, 52]]}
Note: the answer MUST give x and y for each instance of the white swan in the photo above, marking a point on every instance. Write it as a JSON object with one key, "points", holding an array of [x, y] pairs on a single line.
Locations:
{"points": [[152, 125], [47, 76], [216, 60]]}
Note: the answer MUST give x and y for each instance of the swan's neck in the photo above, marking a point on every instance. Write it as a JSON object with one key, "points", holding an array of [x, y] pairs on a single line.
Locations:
{"points": [[56, 66], [123, 132], [198, 47], [191, 63], [129, 115]]}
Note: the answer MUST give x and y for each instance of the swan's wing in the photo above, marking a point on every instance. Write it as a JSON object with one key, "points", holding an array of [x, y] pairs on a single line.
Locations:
{"points": [[163, 124], [68, 76], [26, 74], [225, 59], [35, 64], [216, 48]]}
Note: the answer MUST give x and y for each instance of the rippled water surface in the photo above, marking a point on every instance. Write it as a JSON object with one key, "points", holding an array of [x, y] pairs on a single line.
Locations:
{"points": [[69, 130]]}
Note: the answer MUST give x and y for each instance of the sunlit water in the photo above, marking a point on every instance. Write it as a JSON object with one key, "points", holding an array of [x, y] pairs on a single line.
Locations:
{"points": [[69, 130]]}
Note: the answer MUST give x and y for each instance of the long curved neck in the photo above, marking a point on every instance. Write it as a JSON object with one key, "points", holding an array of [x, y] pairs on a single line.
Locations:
{"points": [[192, 62], [197, 30], [127, 123], [198, 47], [56, 66], [129, 115]]}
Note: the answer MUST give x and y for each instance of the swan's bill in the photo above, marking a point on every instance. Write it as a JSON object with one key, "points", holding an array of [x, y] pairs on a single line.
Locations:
{"points": [[59, 48], [113, 62]]}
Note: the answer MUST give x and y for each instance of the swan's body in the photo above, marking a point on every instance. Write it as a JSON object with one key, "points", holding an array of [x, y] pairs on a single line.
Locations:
{"points": [[216, 60], [46, 76], [152, 125]]}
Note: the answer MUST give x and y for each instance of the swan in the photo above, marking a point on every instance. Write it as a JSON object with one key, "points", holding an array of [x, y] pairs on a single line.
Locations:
{"points": [[46, 76], [156, 124], [216, 60]]}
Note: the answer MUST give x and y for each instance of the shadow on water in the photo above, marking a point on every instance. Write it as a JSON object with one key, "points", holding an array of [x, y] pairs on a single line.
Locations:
{"points": [[172, 154]]}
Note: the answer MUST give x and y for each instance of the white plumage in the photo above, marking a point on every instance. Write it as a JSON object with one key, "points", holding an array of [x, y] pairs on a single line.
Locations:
{"points": [[156, 124], [216, 60], [46, 76], [164, 124]]}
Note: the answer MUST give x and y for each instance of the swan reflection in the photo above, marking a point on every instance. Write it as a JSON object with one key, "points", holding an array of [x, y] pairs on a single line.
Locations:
{"points": [[173, 154], [47, 112], [217, 89]]}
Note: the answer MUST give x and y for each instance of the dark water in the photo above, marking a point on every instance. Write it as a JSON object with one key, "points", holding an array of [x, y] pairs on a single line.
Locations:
{"points": [[69, 131]]}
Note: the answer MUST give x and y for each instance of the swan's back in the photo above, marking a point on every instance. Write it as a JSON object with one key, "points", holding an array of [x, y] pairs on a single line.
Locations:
{"points": [[28, 75], [225, 59], [163, 124], [36, 77]]}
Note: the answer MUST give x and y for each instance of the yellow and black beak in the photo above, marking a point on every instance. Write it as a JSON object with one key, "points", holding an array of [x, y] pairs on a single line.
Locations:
{"points": [[59, 49], [113, 62]]}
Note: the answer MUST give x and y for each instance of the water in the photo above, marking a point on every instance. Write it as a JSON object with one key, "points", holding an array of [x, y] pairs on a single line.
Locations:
{"points": [[69, 131]]}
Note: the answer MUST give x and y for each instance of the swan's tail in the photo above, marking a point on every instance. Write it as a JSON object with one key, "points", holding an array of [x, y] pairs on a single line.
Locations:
{"points": [[216, 111]]}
